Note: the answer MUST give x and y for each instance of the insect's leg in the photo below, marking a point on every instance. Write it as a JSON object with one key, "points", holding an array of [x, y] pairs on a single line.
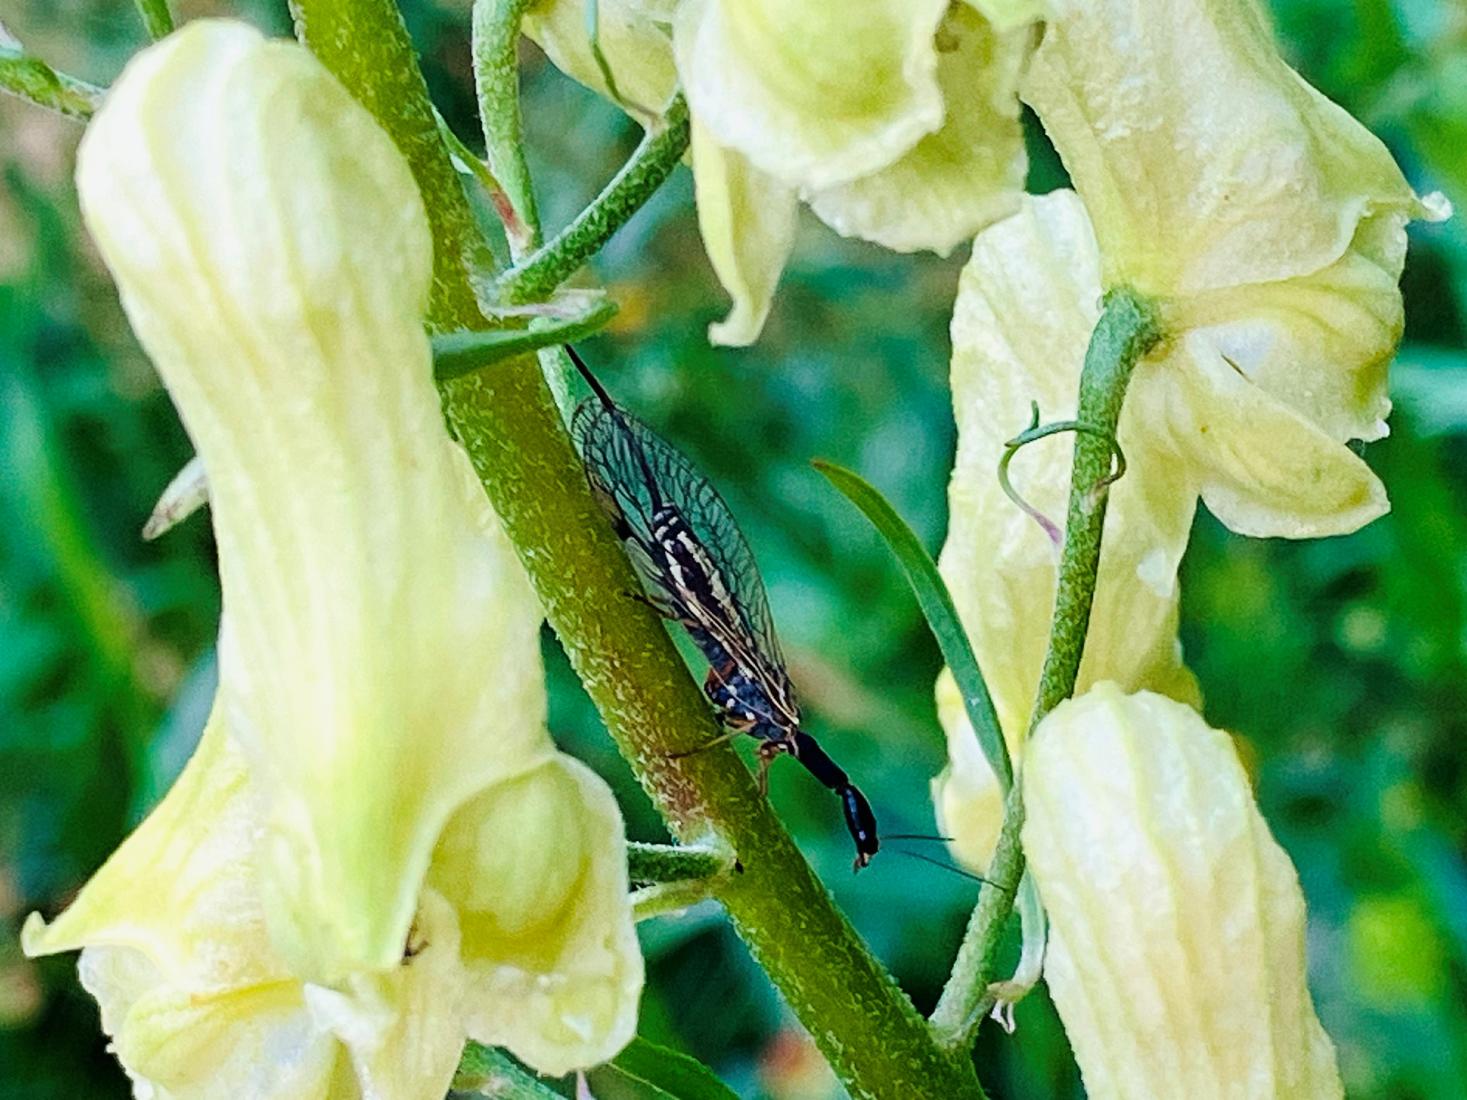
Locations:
{"points": [[768, 750], [662, 609], [722, 739]]}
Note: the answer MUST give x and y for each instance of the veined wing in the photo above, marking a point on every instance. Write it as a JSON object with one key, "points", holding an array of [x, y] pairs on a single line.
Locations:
{"points": [[639, 473]]}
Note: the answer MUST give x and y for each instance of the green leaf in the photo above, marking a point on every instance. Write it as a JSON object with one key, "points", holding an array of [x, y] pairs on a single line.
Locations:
{"points": [[937, 606], [646, 1071], [458, 353]]}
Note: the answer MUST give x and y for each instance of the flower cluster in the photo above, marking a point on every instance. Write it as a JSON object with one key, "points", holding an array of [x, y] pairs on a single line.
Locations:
{"points": [[897, 121], [376, 852], [1267, 229]]}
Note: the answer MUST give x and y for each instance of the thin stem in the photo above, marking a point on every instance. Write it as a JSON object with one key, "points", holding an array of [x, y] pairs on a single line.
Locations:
{"points": [[495, 38], [490, 1072], [458, 353], [508, 422], [157, 19], [33, 80], [660, 151], [653, 863], [1126, 331]]}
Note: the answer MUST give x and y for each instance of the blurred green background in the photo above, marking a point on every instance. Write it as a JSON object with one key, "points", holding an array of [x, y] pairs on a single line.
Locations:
{"points": [[1342, 663]]}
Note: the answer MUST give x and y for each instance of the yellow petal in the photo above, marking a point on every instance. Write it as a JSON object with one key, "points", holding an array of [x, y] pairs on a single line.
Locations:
{"points": [[1176, 953], [179, 891], [536, 869], [197, 1001], [814, 93], [961, 177], [1205, 161], [1262, 468], [403, 1028], [1319, 343], [636, 45], [255, 1041], [747, 220], [379, 651]]}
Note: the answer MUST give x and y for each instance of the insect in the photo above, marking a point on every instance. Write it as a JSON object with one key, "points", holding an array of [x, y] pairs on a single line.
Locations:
{"points": [[697, 569]]}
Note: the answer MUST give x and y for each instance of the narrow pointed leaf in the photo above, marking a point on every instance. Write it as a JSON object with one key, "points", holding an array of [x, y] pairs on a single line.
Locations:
{"points": [[937, 607]]}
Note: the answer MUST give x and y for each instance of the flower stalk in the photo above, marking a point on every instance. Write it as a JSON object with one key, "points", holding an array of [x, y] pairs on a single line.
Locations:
{"points": [[659, 153], [1126, 331], [31, 79]]}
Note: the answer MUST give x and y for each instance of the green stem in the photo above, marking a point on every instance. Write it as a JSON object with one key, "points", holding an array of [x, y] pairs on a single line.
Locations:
{"points": [[490, 1072], [668, 897], [660, 151], [864, 1024], [157, 19], [495, 39], [33, 80], [1126, 331], [458, 353], [676, 862]]}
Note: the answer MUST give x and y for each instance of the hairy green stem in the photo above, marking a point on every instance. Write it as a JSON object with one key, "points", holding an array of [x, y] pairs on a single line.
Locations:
{"points": [[157, 19], [459, 353], [507, 419], [1126, 331], [676, 862], [660, 151], [495, 35], [33, 80]]}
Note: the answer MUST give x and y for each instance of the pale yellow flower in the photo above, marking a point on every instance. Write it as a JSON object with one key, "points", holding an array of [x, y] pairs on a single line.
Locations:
{"points": [[1176, 951], [197, 1002], [897, 121], [379, 645], [1269, 226], [1027, 302]]}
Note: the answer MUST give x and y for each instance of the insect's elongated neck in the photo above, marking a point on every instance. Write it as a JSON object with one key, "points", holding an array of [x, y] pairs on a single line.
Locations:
{"points": [[818, 763]]}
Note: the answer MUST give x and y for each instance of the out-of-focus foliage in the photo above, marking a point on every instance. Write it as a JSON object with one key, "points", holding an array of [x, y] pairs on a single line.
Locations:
{"points": [[1341, 664]]}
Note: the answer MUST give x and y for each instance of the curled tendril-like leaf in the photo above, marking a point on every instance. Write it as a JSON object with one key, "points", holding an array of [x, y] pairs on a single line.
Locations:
{"points": [[1034, 432]]}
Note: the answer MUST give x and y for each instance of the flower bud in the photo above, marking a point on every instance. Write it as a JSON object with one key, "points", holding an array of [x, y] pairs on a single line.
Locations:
{"points": [[1176, 952]]}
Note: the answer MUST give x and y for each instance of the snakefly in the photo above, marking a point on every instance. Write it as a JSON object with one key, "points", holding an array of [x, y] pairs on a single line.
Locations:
{"points": [[697, 569]]}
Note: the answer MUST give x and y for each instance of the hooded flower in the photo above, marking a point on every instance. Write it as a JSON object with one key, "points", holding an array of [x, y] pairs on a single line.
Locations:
{"points": [[379, 646], [896, 120], [1176, 951], [1269, 226], [1027, 302]]}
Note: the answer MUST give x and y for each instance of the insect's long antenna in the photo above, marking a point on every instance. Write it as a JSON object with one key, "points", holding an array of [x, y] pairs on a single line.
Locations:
{"points": [[917, 836], [944, 865], [592, 381]]}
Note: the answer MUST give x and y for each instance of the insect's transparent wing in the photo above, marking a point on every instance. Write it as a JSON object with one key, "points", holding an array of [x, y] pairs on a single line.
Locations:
{"points": [[618, 477], [637, 470]]}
